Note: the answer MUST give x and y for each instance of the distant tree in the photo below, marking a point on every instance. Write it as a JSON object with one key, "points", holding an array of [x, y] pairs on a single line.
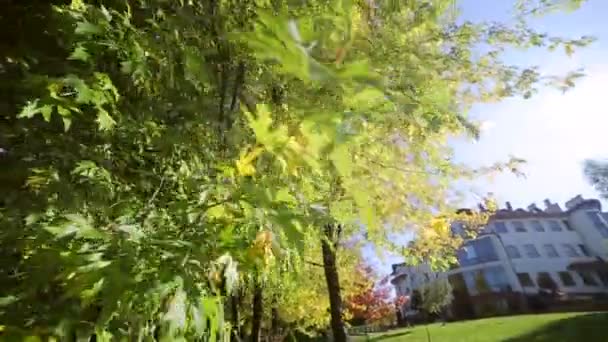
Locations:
{"points": [[373, 302], [596, 172], [436, 296]]}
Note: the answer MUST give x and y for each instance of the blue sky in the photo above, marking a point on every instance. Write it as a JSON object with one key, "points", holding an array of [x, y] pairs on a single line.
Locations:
{"points": [[553, 132]]}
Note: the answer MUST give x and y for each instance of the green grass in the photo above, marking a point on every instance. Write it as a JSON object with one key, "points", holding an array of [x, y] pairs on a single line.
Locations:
{"points": [[560, 327]]}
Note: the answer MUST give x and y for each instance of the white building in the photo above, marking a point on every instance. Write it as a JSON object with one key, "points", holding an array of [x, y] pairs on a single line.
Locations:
{"points": [[409, 278], [521, 251]]}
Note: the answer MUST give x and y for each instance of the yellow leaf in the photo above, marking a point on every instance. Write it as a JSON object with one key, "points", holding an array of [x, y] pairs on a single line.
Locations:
{"points": [[261, 249], [244, 164], [440, 226]]}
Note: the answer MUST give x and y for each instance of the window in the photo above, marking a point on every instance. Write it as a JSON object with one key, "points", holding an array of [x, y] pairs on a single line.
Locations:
{"points": [[538, 227], [525, 280], [568, 227], [500, 227], [531, 251], [555, 226], [477, 251], [569, 250], [588, 278], [550, 250], [512, 252], [566, 279], [496, 279], [545, 281], [584, 250], [604, 277], [598, 222], [519, 226], [469, 280], [470, 251]]}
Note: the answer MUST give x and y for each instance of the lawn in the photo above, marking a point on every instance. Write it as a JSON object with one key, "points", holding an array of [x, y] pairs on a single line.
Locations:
{"points": [[560, 327]]}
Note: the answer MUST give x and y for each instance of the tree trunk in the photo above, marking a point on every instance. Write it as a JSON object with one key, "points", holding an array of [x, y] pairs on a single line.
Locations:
{"points": [[275, 329], [258, 311], [328, 245], [235, 319]]}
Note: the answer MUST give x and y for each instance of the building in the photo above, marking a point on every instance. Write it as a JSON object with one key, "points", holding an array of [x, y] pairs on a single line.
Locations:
{"points": [[521, 253], [408, 278]]}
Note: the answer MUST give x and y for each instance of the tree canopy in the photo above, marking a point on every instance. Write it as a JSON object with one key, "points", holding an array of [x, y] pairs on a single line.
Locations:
{"points": [[154, 154]]}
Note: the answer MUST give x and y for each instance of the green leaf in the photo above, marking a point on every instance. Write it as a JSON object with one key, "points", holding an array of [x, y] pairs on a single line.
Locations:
{"points": [[126, 67], [80, 54], [283, 195], [342, 160], [94, 266], [31, 219], [105, 83], [46, 112], [8, 300], [103, 336], [210, 308], [106, 13], [194, 67], [85, 95], [30, 109], [133, 231], [93, 291], [67, 123], [75, 225], [63, 111], [104, 120], [292, 228], [360, 72], [86, 28]]}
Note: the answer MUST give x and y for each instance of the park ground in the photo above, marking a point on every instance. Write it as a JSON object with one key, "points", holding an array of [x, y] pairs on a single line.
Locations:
{"points": [[558, 327]]}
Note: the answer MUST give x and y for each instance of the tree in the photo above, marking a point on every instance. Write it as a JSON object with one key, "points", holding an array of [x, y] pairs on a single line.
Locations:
{"points": [[372, 301], [300, 295], [596, 172], [155, 154], [436, 295]]}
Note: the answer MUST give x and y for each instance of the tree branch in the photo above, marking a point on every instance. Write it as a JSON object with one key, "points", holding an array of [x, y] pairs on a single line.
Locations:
{"points": [[313, 263]]}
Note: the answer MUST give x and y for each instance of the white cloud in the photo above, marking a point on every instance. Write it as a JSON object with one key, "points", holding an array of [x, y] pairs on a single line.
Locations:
{"points": [[486, 126], [554, 132]]}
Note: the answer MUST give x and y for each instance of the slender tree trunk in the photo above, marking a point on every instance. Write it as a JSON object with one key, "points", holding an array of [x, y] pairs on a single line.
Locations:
{"points": [[235, 319], [328, 245], [258, 311], [275, 324]]}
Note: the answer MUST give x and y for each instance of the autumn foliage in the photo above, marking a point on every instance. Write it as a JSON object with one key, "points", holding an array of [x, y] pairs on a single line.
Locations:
{"points": [[372, 302]]}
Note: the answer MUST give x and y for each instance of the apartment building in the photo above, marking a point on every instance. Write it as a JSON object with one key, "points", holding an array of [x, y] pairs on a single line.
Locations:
{"points": [[523, 252]]}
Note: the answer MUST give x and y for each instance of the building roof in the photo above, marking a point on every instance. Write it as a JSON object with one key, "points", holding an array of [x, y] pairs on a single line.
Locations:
{"points": [[397, 265], [521, 214], [503, 214], [397, 277]]}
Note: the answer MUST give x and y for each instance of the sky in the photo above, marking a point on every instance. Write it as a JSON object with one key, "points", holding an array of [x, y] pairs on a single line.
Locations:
{"points": [[552, 131]]}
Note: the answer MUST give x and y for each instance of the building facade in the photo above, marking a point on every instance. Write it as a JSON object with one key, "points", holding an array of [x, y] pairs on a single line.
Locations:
{"points": [[521, 253]]}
